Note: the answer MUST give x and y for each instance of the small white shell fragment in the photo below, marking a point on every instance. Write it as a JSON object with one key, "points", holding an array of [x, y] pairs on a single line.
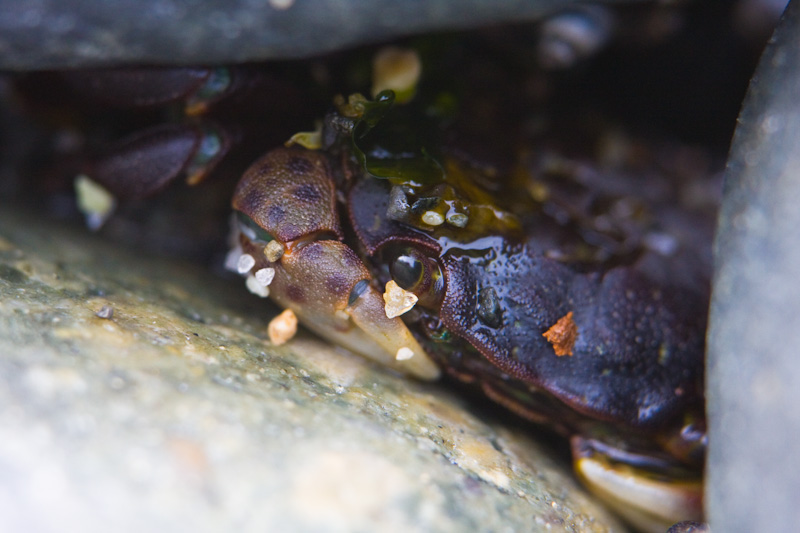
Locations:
{"points": [[459, 220], [106, 312], [245, 263], [254, 286], [404, 354], [265, 276], [432, 218], [398, 300], [94, 201], [273, 251], [282, 328]]}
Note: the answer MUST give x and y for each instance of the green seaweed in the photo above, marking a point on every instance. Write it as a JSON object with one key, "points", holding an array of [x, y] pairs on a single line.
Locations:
{"points": [[394, 144]]}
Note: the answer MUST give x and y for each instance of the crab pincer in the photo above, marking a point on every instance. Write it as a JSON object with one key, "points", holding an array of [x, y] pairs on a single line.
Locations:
{"points": [[288, 222]]}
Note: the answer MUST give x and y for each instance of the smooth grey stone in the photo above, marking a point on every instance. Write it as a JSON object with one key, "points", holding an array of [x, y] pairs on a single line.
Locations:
{"points": [[138, 394], [41, 34], [753, 355]]}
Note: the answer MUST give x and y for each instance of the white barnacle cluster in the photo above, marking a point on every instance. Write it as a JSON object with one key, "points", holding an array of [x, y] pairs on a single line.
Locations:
{"points": [[257, 282], [454, 218], [432, 211]]}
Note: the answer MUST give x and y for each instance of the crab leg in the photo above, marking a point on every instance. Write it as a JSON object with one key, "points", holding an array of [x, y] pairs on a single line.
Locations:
{"points": [[147, 161], [649, 501]]}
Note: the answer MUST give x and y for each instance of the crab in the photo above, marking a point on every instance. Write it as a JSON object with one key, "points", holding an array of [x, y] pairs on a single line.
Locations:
{"points": [[575, 297], [426, 273]]}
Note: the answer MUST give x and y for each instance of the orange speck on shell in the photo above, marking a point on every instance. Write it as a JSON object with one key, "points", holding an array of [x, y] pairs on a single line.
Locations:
{"points": [[562, 335]]}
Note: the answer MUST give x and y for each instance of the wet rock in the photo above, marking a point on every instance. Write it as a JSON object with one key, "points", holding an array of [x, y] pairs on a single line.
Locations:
{"points": [[70, 33], [140, 395], [753, 367]]}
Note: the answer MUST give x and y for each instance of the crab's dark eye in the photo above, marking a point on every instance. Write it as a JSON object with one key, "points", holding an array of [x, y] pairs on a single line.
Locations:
{"points": [[407, 271], [416, 272], [251, 229]]}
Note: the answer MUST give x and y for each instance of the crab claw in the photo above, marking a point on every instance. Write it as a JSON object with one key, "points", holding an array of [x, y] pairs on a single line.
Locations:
{"points": [[648, 500], [328, 288], [290, 225]]}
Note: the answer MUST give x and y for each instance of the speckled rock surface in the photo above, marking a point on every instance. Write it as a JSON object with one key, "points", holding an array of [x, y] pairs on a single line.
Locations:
{"points": [[176, 414]]}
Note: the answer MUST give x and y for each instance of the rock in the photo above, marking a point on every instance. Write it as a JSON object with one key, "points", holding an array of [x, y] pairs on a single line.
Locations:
{"points": [[753, 365], [78, 33], [142, 395]]}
